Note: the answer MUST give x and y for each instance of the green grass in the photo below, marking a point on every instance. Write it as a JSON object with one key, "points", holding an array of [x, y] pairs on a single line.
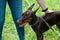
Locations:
{"points": [[9, 30]]}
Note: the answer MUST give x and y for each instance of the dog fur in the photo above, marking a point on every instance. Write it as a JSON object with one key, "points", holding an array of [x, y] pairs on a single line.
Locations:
{"points": [[37, 24]]}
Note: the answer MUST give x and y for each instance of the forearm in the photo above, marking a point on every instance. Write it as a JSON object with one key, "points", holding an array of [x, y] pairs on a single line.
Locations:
{"points": [[42, 4]]}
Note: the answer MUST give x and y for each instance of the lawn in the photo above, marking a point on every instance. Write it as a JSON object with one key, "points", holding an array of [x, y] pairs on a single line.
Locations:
{"points": [[9, 30]]}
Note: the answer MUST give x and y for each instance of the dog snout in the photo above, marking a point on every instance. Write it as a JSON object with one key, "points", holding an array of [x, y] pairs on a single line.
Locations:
{"points": [[20, 22]]}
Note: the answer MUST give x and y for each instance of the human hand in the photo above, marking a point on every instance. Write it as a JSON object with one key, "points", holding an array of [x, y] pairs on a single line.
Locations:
{"points": [[49, 11]]}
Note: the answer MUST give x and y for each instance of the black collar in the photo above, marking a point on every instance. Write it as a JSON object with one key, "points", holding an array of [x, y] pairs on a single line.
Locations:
{"points": [[34, 20]]}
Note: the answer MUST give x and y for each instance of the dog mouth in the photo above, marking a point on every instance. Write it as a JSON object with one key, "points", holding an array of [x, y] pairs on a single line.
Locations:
{"points": [[21, 23]]}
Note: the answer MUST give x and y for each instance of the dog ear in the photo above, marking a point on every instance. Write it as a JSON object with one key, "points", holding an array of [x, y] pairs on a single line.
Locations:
{"points": [[36, 10], [30, 8]]}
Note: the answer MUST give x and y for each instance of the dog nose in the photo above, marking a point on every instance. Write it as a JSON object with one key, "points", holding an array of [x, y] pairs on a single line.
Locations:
{"points": [[20, 22], [17, 21]]}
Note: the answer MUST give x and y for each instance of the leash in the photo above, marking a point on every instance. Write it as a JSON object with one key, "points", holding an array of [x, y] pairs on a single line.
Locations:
{"points": [[57, 33]]}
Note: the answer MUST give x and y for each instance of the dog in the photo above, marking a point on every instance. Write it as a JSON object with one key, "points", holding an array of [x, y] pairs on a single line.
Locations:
{"points": [[37, 24]]}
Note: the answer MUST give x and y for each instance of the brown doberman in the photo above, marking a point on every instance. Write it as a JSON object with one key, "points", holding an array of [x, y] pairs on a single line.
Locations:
{"points": [[37, 24]]}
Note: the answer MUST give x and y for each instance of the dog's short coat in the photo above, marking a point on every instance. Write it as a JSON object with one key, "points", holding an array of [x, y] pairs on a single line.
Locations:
{"points": [[37, 24]]}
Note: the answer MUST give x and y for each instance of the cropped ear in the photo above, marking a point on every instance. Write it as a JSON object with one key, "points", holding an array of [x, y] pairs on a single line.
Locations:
{"points": [[30, 8], [36, 10]]}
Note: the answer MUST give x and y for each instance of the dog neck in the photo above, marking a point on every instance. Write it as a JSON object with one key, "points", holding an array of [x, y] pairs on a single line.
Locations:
{"points": [[33, 20]]}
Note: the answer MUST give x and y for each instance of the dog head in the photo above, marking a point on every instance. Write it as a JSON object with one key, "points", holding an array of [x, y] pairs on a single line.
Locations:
{"points": [[27, 16]]}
